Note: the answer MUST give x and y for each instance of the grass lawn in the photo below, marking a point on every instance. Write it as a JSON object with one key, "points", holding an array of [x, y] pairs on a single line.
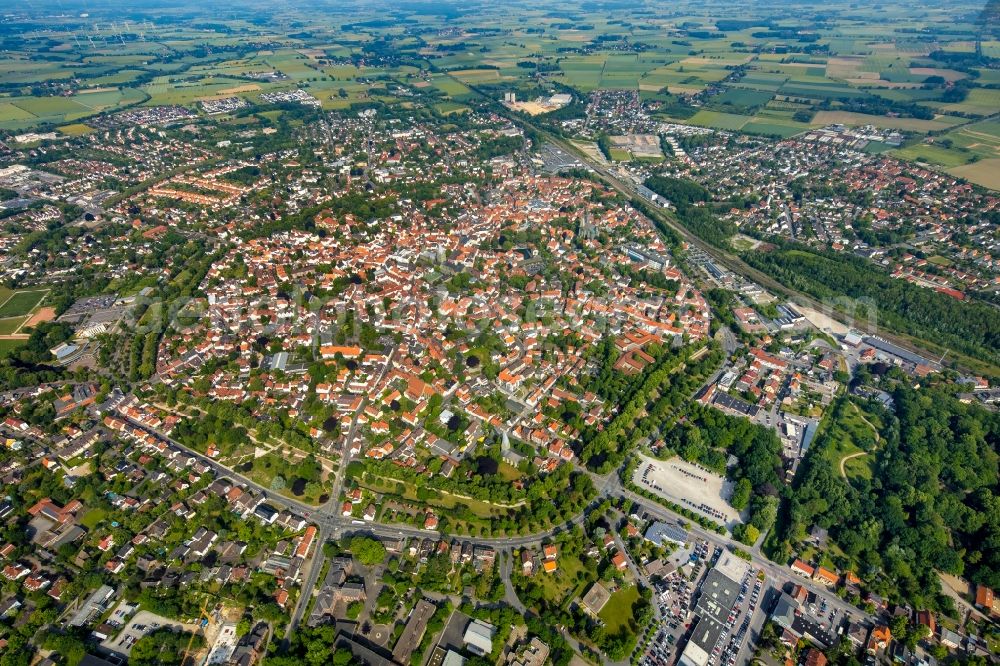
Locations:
{"points": [[617, 613], [93, 518], [448, 108], [22, 302], [442, 500], [271, 465], [7, 346], [76, 129], [843, 437], [11, 324], [562, 585], [508, 472], [475, 76], [859, 467]]}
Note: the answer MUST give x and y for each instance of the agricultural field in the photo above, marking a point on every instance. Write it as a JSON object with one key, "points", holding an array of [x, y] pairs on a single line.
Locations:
{"points": [[451, 87], [980, 102], [719, 120], [870, 67], [983, 172], [742, 98], [931, 153], [22, 112], [885, 122], [971, 151], [773, 127]]}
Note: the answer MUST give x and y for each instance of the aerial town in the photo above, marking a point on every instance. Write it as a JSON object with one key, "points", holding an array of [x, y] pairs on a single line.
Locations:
{"points": [[365, 346]]}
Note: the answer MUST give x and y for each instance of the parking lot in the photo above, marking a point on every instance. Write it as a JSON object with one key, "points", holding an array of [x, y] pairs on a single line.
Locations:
{"points": [[749, 600], [673, 594], [688, 485], [555, 159], [143, 623], [822, 617]]}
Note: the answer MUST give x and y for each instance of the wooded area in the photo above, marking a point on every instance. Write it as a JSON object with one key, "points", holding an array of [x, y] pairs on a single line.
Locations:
{"points": [[931, 504], [970, 327]]}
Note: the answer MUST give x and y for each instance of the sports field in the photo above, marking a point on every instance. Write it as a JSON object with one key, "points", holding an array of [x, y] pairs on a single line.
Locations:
{"points": [[22, 302]]}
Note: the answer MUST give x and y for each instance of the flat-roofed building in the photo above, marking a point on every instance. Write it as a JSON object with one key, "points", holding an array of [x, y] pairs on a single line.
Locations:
{"points": [[479, 637]]}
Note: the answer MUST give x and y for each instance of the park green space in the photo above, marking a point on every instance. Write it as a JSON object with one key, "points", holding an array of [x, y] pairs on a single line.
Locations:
{"points": [[8, 345], [850, 435]]}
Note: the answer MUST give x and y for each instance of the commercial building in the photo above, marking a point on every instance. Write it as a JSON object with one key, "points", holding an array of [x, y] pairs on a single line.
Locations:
{"points": [[478, 637], [715, 603]]}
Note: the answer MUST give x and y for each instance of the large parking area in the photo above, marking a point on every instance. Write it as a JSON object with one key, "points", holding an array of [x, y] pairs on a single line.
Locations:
{"points": [[674, 598], [688, 485], [143, 623], [673, 594], [750, 595]]}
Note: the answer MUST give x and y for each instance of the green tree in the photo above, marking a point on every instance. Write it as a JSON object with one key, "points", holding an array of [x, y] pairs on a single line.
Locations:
{"points": [[741, 494], [368, 551]]}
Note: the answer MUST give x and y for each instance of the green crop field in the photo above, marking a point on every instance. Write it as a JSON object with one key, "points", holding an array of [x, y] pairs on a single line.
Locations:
{"points": [[933, 154], [450, 86], [878, 57], [50, 106], [100, 101], [9, 112], [717, 120], [980, 102], [772, 127], [743, 98]]}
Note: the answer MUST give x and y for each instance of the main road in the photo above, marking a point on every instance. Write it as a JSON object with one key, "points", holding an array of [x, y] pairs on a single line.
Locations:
{"points": [[331, 524], [336, 524]]}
